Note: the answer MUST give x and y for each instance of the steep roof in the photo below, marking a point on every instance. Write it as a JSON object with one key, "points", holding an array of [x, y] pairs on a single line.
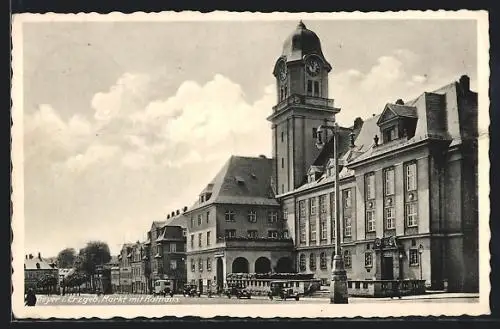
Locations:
{"points": [[327, 151], [30, 264], [179, 220], [242, 180]]}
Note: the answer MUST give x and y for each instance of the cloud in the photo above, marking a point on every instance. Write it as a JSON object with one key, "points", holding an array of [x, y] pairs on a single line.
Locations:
{"points": [[94, 154], [395, 75]]}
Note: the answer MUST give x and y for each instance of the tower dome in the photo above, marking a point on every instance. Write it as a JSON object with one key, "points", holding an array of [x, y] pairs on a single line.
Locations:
{"points": [[302, 42]]}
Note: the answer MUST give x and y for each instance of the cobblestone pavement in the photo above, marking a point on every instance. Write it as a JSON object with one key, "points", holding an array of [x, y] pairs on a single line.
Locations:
{"points": [[122, 299]]}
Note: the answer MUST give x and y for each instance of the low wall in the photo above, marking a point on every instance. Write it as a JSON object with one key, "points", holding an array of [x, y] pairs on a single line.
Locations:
{"points": [[385, 288]]}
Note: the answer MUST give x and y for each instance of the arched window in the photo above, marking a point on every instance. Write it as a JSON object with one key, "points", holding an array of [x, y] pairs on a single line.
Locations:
{"points": [[302, 262], [322, 260], [347, 259], [312, 262]]}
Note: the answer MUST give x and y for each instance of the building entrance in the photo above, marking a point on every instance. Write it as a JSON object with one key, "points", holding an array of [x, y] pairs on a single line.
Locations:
{"points": [[387, 268]]}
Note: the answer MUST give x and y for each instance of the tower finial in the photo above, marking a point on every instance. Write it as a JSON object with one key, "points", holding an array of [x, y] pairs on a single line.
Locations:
{"points": [[301, 25]]}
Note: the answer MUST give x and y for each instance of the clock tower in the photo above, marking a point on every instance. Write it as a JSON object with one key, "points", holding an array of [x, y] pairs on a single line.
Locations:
{"points": [[301, 74]]}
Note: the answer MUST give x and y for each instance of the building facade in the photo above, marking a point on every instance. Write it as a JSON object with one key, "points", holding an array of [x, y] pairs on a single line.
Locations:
{"points": [[36, 272], [407, 178], [125, 265], [408, 184], [236, 226]]}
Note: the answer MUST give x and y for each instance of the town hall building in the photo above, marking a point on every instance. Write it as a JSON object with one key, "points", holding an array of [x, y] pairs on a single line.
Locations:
{"points": [[407, 177]]}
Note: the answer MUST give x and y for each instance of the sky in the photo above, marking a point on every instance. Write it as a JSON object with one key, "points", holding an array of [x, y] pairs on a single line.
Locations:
{"points": [[125, 122]]}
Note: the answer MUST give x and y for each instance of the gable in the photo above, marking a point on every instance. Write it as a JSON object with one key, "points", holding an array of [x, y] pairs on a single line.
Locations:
{"points": [[387, 114]]}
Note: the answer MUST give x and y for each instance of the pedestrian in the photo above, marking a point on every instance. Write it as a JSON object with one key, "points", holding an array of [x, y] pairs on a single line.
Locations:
{"points": [[30, 299]]}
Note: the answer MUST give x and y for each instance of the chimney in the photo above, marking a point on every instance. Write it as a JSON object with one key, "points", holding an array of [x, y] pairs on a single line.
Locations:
{"points": [[375, 140], [172, 214], [30, 256], [400, 102], [39, 256], [358, 123], [184, 209], [168, 216], [465, 83], [177, 212]]}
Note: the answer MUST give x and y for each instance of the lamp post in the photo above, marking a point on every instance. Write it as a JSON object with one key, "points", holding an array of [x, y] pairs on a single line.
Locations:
{"points": [[420, 251], [338, 285], [401, 256]]}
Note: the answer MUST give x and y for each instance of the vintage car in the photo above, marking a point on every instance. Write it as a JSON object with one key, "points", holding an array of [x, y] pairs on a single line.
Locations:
{"points": [[284, 289], [164, 288], [239, 291], [190, 290]]}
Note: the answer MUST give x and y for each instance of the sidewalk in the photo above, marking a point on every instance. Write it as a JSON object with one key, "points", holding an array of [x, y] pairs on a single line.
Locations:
{"points": [[428, 295]]}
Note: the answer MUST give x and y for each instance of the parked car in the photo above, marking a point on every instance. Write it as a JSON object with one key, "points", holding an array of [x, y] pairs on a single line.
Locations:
{"points": [[190, 290], [284, 289], [239, 291], [164, 288]]}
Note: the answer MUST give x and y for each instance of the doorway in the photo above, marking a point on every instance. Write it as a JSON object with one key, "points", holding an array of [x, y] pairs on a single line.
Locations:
{"points": [[200, 285], [387, 268], [220, 273]]}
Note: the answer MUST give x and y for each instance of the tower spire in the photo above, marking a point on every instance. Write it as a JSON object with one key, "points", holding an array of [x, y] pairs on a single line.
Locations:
{"points": [[301, 25]]}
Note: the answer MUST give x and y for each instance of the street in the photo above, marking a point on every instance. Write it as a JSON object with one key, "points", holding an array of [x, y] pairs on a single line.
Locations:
{"points": [[123, 299]]}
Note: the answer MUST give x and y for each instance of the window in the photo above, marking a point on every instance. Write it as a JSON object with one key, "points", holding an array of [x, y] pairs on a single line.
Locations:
{"points": [[322, 204], [184, 232], [347, 226], [312, 262], [390, 134], [282, 162], [315, 132], [309, 87], [173, 264], [209, 264], [302, 209], [414, 257], [285, 214], [312, 231], [173, 247], [322, 260], [370, 220], [192, 241], [302, 262], [312, 206], [411, 214], [208, 216], [272, 234], [192, 221], [252, 233], [302, 232], [389, 218], [347, 198], [208, 238], [230, 233], [347, 259], [193, 268], [199, 220], [200, 265], [252, 216], [272, 216], [282, 136], [285, 234], [370, 186], [230, 216], [389, 181], [199, 239], [316, 88], [368, 259], [322, 230], [411, 177]]}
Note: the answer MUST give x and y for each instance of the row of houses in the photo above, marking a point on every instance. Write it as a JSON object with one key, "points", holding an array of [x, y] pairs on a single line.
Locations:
{"points": [[162, 256]]}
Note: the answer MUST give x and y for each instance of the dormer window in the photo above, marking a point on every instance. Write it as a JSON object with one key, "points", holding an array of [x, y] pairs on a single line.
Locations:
{"points": [[390, 134], [314, 173], [397, 121]]}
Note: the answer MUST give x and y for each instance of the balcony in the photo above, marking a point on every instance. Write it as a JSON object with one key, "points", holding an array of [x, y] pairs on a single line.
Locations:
{"points": [[302, 100]]}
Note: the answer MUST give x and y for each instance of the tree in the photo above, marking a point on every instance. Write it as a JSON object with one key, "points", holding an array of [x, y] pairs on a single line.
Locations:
{"points": [[66, 258], [95, 253], [47, 283]]}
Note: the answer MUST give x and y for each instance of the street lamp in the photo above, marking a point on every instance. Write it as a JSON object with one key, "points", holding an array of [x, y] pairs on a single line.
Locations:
{"points": [[338, 285], [420, 251], [401, 256]]}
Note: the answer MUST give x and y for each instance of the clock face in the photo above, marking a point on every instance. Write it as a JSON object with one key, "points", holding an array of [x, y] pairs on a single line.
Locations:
{"points": [[282, 72], [313, 67]]}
